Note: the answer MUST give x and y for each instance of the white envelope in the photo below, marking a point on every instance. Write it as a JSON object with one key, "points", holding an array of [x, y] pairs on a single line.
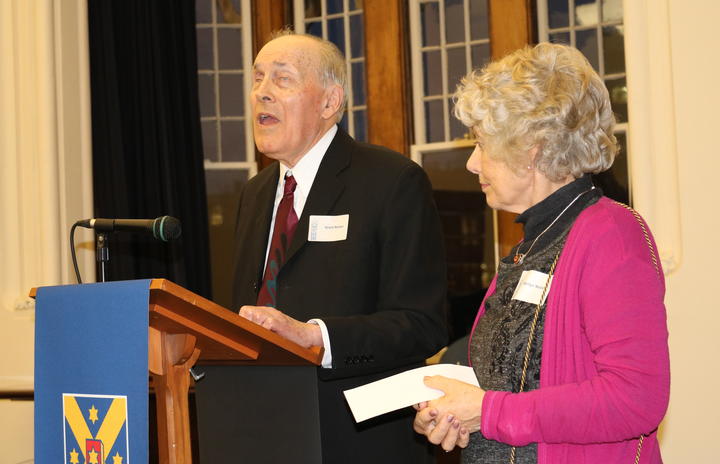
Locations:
{"points": [[402, 390]]}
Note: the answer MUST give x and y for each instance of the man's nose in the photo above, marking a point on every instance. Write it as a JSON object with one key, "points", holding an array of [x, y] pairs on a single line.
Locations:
{"points": [[262, 91]]}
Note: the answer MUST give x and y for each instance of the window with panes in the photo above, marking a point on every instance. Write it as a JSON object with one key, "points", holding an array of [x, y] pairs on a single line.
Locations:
{"points": [[341, 22], [595, 27], [224, 52], [449, 38]]}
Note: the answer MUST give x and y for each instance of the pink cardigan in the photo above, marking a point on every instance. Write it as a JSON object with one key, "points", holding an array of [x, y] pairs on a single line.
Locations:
{"points": [[605, 369]]}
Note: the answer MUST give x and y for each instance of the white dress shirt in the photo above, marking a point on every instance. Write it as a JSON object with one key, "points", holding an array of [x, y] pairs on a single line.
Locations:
{"points": [[304, 173]]}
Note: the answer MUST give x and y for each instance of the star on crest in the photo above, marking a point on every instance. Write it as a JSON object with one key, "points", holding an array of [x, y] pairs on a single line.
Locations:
{"points": [[93, 414], [117, 459], [93, 457], [74, 457]]}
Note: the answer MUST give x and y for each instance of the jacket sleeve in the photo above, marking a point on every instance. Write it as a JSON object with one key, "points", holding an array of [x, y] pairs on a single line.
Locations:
{"points": [[407, 324], [626, 387]]}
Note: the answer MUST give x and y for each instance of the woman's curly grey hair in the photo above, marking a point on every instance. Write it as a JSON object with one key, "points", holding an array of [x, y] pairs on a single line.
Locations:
{"points": [[547, 96]]}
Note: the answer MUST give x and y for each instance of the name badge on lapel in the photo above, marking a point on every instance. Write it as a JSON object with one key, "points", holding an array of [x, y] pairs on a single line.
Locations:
{"points": [[328, 228], [531, 286]]}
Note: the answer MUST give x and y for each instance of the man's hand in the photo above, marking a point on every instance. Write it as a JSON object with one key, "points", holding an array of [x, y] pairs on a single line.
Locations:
{"points": [[449, 420], [302, 333]]}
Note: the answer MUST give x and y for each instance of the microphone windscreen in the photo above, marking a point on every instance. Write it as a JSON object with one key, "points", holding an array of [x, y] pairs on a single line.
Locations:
{"points": [[166, 228]]}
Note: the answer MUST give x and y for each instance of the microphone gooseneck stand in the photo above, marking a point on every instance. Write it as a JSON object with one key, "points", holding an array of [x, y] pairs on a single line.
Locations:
{"points": [[102, 253], [164, 228]]}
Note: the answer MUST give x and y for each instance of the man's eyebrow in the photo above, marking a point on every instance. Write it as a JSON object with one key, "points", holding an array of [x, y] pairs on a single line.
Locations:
{"points": [[279, 64]]}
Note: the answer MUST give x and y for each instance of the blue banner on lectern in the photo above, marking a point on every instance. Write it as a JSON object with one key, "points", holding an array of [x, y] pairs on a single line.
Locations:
{"points": [[91, 373]]}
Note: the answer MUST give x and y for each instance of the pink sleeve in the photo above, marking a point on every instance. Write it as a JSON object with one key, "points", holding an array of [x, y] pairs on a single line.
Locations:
{"points": [[627, 384]]}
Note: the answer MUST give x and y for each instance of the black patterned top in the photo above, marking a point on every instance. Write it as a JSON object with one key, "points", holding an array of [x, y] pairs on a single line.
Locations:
{"points": [[498, 344]]}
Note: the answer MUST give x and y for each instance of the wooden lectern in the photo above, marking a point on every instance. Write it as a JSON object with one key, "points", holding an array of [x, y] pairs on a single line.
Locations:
{"points": [[185, 328]]}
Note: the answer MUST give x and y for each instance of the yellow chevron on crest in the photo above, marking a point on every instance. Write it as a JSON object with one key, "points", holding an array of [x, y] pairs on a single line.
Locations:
{"points": [[113, 422], [110, 427], [75, 419]]}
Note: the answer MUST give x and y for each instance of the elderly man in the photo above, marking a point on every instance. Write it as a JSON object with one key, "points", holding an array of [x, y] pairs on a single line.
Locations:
{"points": [[339, 245]]}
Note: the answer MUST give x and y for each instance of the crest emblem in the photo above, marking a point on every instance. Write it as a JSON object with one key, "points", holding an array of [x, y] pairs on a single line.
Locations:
{"points": [[95, 429]]}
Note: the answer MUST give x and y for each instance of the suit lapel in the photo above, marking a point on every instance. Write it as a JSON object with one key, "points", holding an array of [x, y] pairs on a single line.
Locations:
{"points": [[326, 188]]}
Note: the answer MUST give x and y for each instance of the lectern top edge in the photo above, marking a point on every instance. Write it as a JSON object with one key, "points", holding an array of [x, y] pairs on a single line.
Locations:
{"points": [[312, 355]]}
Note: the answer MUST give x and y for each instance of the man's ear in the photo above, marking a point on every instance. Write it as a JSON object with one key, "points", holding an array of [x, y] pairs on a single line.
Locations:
{"points": [[333, 101]]}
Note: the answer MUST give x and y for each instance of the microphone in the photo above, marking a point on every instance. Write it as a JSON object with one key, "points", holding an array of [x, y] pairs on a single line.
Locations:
{"points": [[164, 228]]}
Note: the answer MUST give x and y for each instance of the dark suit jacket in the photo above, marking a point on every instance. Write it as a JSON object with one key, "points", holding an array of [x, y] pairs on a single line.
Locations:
{"points": [[381, 292]]}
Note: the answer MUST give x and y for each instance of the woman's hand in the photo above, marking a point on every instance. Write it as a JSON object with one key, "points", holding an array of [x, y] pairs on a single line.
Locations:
{"points": [[444, 431], [449, 420]]}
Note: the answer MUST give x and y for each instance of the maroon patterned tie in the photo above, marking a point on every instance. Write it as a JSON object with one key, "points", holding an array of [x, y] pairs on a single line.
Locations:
{"points": [[285, 224]]}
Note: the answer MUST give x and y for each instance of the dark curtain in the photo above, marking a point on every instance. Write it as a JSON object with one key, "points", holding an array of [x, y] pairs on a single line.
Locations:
{"points": [[147, 146]]}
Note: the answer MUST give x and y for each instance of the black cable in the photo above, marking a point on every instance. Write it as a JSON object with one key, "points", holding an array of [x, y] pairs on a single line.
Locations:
{"points": [[72, 252]]}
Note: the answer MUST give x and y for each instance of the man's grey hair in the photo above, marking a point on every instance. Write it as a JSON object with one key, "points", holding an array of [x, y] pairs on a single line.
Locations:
{"points": [[332, 68]]}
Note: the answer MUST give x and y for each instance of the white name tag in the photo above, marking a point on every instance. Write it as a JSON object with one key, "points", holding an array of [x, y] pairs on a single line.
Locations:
{"points": [[328, 228], [531, 286]]}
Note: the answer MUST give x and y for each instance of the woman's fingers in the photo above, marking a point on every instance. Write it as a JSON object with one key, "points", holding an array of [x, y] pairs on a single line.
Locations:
{"points": [[424, 421], [442, 428], [445, 430], [463, 438], [451, 438]]}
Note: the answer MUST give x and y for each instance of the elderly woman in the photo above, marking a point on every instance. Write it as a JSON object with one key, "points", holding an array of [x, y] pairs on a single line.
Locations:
{"points": [[570, 344]]}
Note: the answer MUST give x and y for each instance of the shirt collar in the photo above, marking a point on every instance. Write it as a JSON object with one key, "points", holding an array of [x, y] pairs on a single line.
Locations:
{"points": [[305, 170]]}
